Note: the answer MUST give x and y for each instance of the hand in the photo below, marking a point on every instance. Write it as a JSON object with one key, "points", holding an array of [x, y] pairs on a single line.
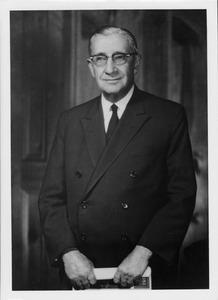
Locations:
{"points": [[130, 271], [79, 269]]}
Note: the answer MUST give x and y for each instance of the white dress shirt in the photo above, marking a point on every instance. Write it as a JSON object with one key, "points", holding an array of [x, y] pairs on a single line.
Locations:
{"points": [[121, 104]]}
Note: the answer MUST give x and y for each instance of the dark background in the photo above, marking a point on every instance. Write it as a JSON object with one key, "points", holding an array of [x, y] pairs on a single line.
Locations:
{"points": [[49, 73]]}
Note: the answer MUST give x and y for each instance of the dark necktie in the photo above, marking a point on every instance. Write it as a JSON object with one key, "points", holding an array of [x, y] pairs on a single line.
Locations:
{"points": [[113, 122]]}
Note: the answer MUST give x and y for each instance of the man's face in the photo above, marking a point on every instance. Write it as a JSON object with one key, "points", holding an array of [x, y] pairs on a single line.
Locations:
{"points": [[114, 81]]}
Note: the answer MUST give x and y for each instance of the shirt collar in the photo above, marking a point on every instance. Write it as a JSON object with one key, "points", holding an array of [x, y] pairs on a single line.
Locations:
{"points": [[122, 103]]}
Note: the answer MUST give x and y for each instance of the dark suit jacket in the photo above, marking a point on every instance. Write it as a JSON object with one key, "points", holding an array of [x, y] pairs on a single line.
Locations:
{"points": [[138, 189]]}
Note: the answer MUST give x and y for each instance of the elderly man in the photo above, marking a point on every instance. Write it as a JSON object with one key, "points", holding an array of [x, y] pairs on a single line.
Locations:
{"points": [[120, 188]]}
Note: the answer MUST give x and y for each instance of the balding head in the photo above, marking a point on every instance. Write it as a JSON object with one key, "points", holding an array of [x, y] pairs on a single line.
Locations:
{"points": [[110, 30]]}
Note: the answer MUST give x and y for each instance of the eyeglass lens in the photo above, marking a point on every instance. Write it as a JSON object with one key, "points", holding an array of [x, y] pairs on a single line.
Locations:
{"points": [[118, 59]]}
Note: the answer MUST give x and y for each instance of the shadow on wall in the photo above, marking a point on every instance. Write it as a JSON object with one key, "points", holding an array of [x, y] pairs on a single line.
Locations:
{"points": [[194, 259]]}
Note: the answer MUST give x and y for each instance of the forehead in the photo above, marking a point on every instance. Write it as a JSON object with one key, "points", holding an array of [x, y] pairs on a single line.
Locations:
{"points": [[109, 44]]}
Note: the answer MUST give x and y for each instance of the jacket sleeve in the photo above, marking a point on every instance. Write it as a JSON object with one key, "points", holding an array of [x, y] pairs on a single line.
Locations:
{"points": [[167, 229], [52, 201]]}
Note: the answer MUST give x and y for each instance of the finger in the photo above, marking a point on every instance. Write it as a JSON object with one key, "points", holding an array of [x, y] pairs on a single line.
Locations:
{"points": [[117, 277], [137, 280], [91, 278], [77, 284], [123, 280], [130, 281], [85, 283]]}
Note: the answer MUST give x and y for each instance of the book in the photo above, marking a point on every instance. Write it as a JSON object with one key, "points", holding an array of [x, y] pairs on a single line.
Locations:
{"points": [[105, 277]]}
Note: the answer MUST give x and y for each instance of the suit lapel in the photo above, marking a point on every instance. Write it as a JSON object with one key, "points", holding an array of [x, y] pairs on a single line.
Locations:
{"points": [[131, 122], [94, 132]]}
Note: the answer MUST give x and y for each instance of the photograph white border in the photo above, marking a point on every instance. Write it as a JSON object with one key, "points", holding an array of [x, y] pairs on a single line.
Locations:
{"points": [[6, 269]]}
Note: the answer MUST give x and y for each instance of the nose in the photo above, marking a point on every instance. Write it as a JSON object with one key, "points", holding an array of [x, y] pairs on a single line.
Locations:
{"points": [[110, 66]]}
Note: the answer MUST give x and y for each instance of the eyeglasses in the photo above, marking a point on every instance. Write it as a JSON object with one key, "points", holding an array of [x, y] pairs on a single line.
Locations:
{"points": [[118, 59]]}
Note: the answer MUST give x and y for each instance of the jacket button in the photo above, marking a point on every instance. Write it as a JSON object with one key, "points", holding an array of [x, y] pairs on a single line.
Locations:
{"points": [[124, 205], [78, 174], [124, 237], [133, 174], [84, 204], [83, 236]]}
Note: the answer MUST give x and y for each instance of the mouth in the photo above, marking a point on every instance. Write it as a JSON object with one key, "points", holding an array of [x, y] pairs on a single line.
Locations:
{"points": [[112, 80]]}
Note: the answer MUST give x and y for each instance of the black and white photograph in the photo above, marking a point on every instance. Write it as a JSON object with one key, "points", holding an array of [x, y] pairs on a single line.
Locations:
{"points": [[110, 164]]}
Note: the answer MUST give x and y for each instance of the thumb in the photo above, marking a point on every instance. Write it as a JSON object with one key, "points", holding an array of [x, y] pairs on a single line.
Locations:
{"points": [[117, 276], [92, 278]]}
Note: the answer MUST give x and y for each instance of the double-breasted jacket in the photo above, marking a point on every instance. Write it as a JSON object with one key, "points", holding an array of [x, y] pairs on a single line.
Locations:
{"points": [[139, 189]]}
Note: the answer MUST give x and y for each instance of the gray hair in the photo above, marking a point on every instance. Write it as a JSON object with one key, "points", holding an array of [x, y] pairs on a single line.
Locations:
{"points": [[108, 30]]}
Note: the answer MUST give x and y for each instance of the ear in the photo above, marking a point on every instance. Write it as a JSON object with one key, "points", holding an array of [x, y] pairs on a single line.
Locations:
{"points": [[137, 63], [91, 68]]}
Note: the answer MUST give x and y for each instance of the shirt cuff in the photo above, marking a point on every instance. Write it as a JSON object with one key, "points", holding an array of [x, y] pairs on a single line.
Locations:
{"points": [[59, 258]]}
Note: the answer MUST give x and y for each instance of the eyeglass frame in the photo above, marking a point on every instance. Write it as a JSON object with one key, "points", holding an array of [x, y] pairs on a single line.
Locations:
{"points": [[90, 59]]}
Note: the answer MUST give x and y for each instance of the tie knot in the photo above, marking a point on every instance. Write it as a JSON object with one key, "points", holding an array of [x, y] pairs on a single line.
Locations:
{"points": [[114, 108]]}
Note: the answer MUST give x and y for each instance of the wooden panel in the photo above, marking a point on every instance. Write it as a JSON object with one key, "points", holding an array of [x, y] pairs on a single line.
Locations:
{"points": [[37, 84], [34, 80], [35, 98], [155, 50], [45, 88]]}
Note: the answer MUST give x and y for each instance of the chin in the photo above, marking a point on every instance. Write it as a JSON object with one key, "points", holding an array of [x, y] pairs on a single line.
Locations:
{"points": [[111, 89]]}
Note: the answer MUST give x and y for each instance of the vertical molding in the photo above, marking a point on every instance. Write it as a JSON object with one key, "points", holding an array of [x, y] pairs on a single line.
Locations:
{"points": [[169, 54], [174, 62], [24, 236], [74, 34]]}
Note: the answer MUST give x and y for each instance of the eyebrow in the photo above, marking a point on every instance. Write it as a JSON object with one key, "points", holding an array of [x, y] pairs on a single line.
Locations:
{"points": [[102, 53]]}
